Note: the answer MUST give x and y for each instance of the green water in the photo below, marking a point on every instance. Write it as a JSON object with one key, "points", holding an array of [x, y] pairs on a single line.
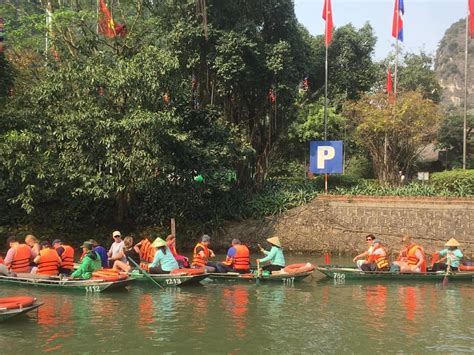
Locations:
{"points": [[314, 316]]}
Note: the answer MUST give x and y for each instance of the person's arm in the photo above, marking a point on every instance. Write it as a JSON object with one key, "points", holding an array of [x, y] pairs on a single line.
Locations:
{"points": [[37, 259], [136, 247], [270, 255], [82, 267], [420, 257], [156, 260], [60, 251], [360, 256], [9, 257]]}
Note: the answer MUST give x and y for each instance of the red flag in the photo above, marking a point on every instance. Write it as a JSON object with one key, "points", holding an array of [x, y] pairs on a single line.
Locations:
{"points": [[106, 22], [327, 16], [389, 86], [471, 18]]}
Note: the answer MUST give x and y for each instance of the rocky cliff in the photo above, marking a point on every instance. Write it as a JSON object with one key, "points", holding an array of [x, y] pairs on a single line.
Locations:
{"points": [[449, 66]]}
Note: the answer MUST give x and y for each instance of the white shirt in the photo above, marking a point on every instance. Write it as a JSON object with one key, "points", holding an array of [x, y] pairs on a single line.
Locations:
{"points": [[116, 248]]}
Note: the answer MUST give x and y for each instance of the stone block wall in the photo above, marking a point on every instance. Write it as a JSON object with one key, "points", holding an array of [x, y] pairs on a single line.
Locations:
{"points": [[339, 224]]}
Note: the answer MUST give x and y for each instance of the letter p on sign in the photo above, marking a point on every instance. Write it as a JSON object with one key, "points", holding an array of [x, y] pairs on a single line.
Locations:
{"points": [[326, 157]]}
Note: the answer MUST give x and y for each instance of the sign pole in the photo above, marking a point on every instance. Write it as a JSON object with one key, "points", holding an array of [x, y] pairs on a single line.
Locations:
{"points": [[173, 227], [464, 130]]}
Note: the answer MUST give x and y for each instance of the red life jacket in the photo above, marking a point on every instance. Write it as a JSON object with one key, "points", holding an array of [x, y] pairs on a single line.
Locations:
{"points": [[380, 260], [49, 262], [241, 257], [198, 260], [21, 260], [412, 259], [67, 257], [147, 253]]}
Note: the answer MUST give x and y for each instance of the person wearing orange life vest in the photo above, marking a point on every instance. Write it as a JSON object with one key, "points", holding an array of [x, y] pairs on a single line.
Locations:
{"points": [[145, 251], [202, 253], [412, 257], [66, 253], [48, 260], [171, 243], [237, 260], [18, 257], [377, 259], [363, 257]]}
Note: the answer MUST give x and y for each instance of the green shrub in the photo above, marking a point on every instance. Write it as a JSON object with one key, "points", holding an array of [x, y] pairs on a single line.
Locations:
{"points": [[460, 182]]}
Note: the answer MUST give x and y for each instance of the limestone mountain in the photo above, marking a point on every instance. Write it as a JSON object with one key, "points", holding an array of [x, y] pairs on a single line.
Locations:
{"points": [[449, 67]]}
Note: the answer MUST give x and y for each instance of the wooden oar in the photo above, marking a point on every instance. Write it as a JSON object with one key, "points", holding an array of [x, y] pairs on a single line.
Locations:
{"points": [[144, 272], [259, 271], [448, 270]]}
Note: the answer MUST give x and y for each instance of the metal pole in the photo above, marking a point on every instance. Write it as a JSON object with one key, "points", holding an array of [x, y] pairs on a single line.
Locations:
{"points": [[464, 131], [326, 92]]}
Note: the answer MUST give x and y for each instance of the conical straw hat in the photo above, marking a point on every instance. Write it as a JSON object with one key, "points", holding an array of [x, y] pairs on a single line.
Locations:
{"points": [[158, 242], [452, 243], [274, 241]]}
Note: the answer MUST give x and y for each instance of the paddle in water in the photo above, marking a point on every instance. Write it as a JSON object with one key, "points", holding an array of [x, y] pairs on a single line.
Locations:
{"points": [[448, 270], [259, 272], [144, 272]]}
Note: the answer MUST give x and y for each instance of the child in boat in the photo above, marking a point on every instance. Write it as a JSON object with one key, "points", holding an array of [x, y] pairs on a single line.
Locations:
{"points": [[274, 256], [90, 263], [452, 255]]}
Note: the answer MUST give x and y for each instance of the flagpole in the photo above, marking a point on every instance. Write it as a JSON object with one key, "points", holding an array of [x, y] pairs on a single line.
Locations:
{"points": [[326, 90], [464, 131], [49, 20]]}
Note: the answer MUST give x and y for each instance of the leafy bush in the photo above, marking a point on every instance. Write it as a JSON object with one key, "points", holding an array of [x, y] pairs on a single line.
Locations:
{"points": [[460, 182]]}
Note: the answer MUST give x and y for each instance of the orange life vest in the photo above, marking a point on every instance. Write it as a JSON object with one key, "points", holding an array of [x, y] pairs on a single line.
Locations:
{"points": [[147, 253], [412, 259], [198, 260], [49, 262], [380, 260], [21, 260], [241, 257], [67, 257]]}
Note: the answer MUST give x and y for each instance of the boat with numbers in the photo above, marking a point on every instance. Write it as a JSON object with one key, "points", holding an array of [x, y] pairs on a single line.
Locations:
{"points": [[343, 273], [171, 280], [95, 284], [289, 275]]}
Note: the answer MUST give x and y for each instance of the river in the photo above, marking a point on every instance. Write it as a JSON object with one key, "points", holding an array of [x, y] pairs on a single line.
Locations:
{"points": [[315, 316]]}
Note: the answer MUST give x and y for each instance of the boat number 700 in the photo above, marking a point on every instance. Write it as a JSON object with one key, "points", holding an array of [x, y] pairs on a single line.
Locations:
{"points": [[338, 276]]}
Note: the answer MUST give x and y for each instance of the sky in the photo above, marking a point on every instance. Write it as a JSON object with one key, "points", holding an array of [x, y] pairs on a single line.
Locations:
{"points": [[425, 21]]}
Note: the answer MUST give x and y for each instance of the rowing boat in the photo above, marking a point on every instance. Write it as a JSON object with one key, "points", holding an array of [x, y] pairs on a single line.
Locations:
{"points": [[342, 273], [287, 279], [10, 313], [167, 280], [91, 285]]}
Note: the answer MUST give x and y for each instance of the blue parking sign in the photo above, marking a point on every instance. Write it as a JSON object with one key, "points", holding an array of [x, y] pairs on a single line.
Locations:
{"points": [[326, 157]]}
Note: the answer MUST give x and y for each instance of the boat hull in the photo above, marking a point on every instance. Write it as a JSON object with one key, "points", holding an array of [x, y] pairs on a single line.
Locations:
{"points": [[350, 273], [286, 279], [88, 286], [167, 280], [11, 313]]}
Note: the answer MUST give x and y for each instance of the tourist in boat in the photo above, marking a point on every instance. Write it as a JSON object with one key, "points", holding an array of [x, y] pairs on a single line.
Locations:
{"points": [[182, 260], [412, 257], [89, 264], [145, 251], [451, 256], [237, 259], [48, 260], [18, 257], [130, 253], [363, 257], [164, 261], [202, 254], [377, 259], [4, 270], [34, 244], [104, 258], [274, 256], [66, 253], [115, 251]]}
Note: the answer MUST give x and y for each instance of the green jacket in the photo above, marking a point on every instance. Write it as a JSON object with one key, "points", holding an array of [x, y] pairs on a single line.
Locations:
{"points": [[89, 264], [275, 256]]}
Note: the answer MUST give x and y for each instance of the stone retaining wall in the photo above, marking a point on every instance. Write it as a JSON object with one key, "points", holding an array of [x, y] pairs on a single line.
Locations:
{"points": [[339, 224]]}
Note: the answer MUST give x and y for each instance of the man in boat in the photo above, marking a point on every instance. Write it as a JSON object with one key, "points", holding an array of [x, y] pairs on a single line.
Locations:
{"points": [[4, 270], [90, 263], [145, 251], [18, 257], [412, 257], [182, 260], [116, 249], [66, 253], [377, 259], [451, 256], [237, 259], [363, 257], [104, 258], [48, 260], [274, 256], [202, 253]]}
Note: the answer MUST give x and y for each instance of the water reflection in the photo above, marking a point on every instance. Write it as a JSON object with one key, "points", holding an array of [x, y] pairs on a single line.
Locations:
{"points": [[376, 300], [236, 300]]}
